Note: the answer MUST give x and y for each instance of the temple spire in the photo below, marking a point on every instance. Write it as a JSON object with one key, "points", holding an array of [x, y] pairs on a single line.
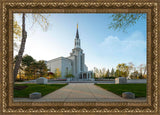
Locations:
{"points": [[77, 34], [77, 40]]}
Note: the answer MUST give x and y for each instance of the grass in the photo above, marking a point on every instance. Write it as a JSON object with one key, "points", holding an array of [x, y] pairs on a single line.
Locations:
{"points": [[138, 89], [42, 88]]}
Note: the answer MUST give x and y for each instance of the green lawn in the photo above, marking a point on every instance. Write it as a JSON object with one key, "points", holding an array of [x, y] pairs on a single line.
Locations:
{"points": [[30, 88], [138, 89]]}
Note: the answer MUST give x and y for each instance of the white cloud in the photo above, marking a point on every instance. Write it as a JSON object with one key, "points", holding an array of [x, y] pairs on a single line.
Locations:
{"points": [[131, 49], [134, 44]]}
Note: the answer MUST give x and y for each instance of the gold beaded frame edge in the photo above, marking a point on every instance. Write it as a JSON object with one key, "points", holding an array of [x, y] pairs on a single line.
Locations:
{"points": [[8, 8]]}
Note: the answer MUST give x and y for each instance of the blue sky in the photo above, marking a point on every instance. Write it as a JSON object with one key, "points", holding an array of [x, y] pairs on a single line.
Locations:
{"points": [[103, 47]]}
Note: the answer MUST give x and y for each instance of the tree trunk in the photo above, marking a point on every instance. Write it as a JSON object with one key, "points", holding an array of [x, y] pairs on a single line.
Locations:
{"points": [[22, 47]]}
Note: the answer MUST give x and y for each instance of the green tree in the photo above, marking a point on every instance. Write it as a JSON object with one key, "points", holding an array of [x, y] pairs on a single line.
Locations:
{"points": [[99, 73], [96, 72], [121, 21], [117, 73], [103, 72], [94, 75], [112, 73], [107, 73], [123, 70], [42, 68], [57, 73], [32, 71], [134, 75], [140, 76], [36, 69], [27, 60]]}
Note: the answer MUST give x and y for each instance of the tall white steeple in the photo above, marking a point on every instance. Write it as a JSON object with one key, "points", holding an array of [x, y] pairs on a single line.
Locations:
{"points": [[77, 40], [78, 56]]}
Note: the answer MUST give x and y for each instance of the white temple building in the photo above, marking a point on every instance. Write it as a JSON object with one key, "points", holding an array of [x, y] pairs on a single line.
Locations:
{"points": [[74, 64]]}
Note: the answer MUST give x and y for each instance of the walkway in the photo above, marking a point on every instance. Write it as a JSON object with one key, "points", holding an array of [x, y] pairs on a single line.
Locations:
{"points": [[79, 92]]}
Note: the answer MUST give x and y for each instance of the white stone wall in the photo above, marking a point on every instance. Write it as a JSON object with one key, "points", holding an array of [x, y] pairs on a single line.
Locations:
{"points": [[53, 64], [66, 63], [61, 63], [73, 64]]}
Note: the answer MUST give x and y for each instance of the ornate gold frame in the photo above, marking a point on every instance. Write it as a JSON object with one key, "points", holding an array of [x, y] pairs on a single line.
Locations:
{"points": [[8, 7]]}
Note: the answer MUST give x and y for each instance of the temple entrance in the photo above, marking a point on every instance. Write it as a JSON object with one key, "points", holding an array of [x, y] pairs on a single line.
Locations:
{"points": [[85, 75]]}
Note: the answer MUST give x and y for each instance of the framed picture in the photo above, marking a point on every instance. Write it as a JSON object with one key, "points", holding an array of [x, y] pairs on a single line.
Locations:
{"points": [[73, 57]]}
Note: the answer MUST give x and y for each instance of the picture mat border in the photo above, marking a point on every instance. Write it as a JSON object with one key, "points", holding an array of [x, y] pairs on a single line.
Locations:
{"points": [[11, 12], [151, 106]]}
